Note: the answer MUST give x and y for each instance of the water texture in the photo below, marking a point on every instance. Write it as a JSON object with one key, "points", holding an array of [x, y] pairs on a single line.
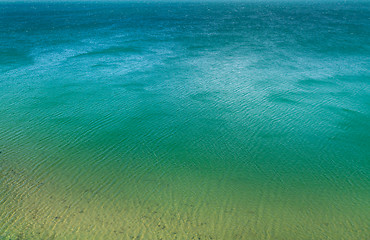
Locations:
{"points": [[185, 120]]}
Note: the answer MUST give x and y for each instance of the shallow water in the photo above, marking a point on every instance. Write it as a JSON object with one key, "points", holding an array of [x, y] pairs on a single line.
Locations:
{"points": [[184, 121]]}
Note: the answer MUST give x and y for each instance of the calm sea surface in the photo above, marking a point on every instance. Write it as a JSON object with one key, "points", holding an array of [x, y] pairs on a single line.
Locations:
{"points": [[185, 121]]}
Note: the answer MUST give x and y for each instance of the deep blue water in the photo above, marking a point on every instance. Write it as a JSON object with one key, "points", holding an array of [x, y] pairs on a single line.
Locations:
{"points": [[185, 120]]}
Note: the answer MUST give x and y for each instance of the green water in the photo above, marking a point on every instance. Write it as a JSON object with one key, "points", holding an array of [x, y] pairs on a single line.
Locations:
{"points": [[184, 121]]}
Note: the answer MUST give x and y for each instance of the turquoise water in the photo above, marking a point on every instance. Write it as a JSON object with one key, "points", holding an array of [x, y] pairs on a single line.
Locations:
{"points": [[184, 120]]}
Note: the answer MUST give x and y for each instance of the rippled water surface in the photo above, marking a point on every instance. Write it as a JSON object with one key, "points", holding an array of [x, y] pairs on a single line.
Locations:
{"points": [[184, 121]]}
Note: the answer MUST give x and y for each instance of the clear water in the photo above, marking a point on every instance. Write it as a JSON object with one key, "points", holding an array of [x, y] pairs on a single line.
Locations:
{"points": [[184, 120]]}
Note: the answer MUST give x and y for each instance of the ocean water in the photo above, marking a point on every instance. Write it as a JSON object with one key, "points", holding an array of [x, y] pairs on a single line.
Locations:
{"points": [[185, 120]]}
